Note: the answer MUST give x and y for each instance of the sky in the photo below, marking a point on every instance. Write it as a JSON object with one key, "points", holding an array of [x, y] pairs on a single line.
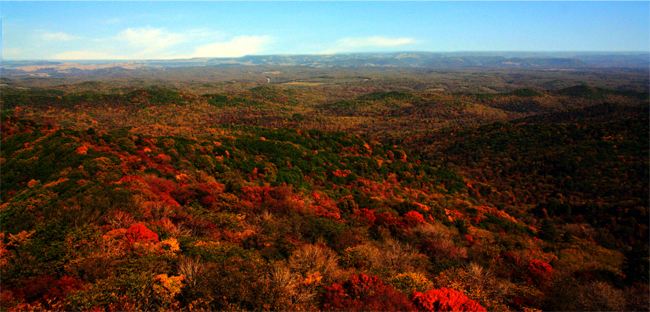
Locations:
{"points": [[168, 30]]}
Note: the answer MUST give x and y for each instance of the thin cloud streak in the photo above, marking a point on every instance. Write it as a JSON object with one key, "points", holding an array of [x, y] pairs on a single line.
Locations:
{"points": [[57, 36]]}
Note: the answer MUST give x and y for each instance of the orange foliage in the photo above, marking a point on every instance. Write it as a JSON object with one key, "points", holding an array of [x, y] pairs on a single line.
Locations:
{"points": [[55, 183], [422, 207], [313, 278], [82, 150]]}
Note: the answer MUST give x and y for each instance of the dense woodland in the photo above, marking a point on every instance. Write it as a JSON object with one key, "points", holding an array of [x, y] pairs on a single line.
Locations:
{"points": [[325, 190]]}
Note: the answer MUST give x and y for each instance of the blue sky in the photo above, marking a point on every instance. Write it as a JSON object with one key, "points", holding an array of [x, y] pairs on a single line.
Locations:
{"points": [[164, 30]]}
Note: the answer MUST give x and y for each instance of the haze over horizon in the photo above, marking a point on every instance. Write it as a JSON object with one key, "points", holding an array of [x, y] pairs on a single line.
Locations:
{"points": [[169, 30]]}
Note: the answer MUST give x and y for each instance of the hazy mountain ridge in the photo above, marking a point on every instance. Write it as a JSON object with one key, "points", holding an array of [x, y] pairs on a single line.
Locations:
{"points": [[428, 60]]}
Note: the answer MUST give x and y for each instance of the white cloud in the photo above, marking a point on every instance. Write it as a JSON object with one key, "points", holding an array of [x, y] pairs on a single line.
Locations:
{"points": [[235, 47], [367, 43], [86, 55], [150, 39], [57, 36], [159, 43]]}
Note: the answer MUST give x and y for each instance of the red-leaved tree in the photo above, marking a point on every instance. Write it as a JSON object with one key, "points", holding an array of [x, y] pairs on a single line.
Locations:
{"points": [[365, 293], [445, 299]]}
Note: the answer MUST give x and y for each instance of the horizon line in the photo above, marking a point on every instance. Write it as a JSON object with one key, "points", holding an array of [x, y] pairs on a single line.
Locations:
{"points": [[2, 59]]}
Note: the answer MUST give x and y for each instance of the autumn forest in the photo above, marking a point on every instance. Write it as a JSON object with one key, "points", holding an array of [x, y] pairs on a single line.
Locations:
{"points": [[304, 187]]}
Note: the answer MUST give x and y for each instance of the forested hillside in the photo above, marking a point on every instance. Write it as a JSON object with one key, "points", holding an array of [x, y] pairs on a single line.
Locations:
{"points": [[333, 196]]}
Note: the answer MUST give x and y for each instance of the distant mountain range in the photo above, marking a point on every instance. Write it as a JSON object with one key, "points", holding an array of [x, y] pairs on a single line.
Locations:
{"points": [[427, 60]]}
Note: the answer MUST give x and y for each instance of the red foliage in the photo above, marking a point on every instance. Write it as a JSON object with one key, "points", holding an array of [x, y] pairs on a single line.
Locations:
{"points": [[365, 293], [184, 195], [388, 219], [205, 193], [162, 188], [163, 158], [200, 226], [47, 287], [324, 206], [138, 232], [65, 285], [386, 189], [539, 270], [341, 173], [281, 198], [256, 195], [469, 238], [445, 299], [160, 185], [439, 248], [157, 188], [6, 296], [366, 215], [413, 218]]}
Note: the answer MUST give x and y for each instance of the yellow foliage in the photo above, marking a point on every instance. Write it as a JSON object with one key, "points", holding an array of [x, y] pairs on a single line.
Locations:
{"points": [[167, 287], [170, 245], [410, 282]]}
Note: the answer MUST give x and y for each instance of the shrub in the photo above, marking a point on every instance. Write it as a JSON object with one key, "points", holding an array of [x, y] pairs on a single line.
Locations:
{"points": [[411, 282], [365, 293], [323, 206], [287, 291], [48, 288], [310, 259], [445, 299], [484, 285], [166, 288], [387, 259], [573, 295], [540, 271], [413, 218], [366, 216], [140, 233], [235, 283]]}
